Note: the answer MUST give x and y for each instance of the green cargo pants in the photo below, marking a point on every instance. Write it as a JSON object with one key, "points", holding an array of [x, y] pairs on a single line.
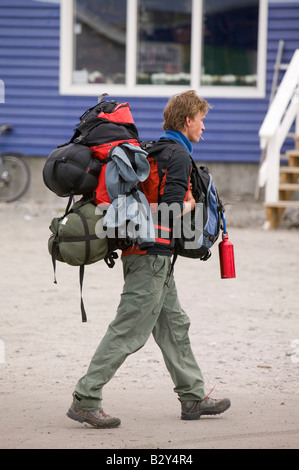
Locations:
{"points": [[147, 306]]}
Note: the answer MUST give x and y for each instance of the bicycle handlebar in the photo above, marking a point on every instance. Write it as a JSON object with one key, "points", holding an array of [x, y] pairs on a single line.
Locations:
{"points": [[5, 128]]}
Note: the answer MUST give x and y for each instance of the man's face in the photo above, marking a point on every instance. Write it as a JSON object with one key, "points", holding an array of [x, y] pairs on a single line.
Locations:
{"points": [[194, 127]]}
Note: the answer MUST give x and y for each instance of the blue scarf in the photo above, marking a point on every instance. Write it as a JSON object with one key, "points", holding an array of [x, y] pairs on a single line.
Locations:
{"points": [[179, 137]]}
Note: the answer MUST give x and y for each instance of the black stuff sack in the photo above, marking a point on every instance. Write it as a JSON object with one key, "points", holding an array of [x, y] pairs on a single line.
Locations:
{"points": [[72, 170]]}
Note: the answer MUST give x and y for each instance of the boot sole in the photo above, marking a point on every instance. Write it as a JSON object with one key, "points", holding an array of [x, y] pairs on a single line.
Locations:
{"points": [[194, 416], [70, 414]]}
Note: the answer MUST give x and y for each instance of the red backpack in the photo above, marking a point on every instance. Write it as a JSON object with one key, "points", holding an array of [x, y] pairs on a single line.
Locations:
{"points": [[101, 128]]}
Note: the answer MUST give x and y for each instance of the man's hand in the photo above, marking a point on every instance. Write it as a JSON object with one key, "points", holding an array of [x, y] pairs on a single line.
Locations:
{"points": [[191, 199], [189, 204]]}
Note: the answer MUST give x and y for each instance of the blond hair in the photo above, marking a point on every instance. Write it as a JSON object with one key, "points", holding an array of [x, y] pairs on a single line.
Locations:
{"points": [[182, 105]]}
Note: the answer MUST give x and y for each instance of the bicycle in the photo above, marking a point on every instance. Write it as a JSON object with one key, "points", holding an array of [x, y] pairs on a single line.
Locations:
{"points": [[14, 173]]}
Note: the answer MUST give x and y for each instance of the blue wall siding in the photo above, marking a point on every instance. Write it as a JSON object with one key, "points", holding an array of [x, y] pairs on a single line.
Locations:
{"points": [[42, 119]]}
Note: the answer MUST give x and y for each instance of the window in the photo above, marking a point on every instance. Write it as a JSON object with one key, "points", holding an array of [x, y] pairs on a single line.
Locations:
{"points": [[99, 41], [163, 42], [230, 43], [149, 47]]}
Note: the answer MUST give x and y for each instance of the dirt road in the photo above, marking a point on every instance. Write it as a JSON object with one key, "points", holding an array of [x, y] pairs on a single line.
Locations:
{"points": [[244, 331]]}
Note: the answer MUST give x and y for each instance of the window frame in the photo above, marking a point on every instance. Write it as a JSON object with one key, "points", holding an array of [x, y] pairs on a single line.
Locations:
{"points": [[67, 87]]}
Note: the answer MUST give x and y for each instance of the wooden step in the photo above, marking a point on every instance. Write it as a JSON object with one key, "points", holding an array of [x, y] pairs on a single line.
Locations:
{"points": [[286, 190], [293, 157], [275, 210], [290, 158], [296, 139], [293, 153], [288, 187], [283, 204], [289, 174], [289, 169]]}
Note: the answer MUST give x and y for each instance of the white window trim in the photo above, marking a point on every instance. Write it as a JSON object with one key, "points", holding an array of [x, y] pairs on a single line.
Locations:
{"points": [[66, 87]]}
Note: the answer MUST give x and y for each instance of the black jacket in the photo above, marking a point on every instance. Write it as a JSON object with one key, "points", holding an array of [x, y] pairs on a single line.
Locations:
{"points": [[174, 189]]}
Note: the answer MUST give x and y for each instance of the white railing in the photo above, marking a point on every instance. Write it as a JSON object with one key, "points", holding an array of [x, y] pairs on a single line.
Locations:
{"points": [[282, 113]]}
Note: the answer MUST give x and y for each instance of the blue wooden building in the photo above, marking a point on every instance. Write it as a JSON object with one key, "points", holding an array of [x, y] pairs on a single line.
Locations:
{"points": [[57, 57]]}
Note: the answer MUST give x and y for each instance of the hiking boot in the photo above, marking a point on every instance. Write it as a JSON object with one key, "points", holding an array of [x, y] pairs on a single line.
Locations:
{"points": [[96, 418], [207, 406]]}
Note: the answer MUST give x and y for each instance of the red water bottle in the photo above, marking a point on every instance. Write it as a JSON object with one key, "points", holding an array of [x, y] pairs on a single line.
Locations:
{"points": [[226, 255]]}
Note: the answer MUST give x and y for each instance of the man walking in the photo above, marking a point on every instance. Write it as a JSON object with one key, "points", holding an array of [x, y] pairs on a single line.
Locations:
{"points": [[149, 303]]}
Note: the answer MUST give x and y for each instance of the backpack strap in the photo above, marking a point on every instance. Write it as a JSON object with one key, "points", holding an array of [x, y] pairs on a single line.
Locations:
{"points": [[110, 257], [87, 238], [70, 201], [161, 151], [175, 256]]}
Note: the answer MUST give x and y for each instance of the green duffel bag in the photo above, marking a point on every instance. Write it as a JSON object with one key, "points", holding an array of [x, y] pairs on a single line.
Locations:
{"points": [[78, 239], [74, 236]]}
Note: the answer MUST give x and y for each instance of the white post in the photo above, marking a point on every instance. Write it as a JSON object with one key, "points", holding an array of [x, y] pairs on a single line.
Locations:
{"points": [[273, 175], [297, 119], [276, 125]]}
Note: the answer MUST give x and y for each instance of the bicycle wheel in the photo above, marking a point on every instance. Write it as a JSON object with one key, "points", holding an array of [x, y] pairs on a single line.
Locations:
{"points": [[16, 178]]}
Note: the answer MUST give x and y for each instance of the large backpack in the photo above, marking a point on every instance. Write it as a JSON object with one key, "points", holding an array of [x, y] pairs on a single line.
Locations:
{"points": [[198, 231], [102, 127], [79, 167], [106, 122]]}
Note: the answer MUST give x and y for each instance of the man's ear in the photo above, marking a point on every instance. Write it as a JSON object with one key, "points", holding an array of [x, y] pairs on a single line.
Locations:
{"points": [[187, 122]]}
